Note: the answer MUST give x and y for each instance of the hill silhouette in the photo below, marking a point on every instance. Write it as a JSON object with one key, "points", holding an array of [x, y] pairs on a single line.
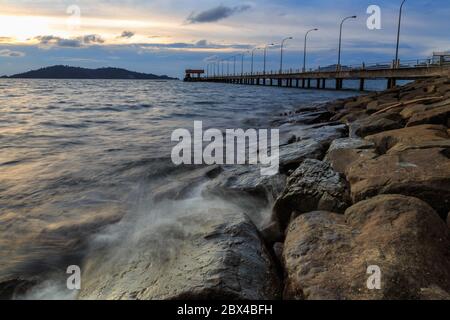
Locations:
{"points": [[67, 72]]}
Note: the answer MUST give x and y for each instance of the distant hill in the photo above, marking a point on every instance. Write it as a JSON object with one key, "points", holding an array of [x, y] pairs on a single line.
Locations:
{"points": [[67, 72]]}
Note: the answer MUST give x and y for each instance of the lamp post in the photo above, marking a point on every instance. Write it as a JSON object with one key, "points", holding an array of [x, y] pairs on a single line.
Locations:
{"points": [[398, 33], [282, 47], [234, 65], [265, 55], [340, 41], [304, 51], [242, 63], [253, 55]]}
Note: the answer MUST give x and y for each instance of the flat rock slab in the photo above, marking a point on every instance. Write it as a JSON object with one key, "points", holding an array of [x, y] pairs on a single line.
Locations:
{"points": [[418, 137], [421, 173], [208, 255], [313, 186], [327, 255]]}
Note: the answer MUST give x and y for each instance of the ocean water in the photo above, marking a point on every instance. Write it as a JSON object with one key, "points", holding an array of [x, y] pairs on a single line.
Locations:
{"points": [[76, 156]]}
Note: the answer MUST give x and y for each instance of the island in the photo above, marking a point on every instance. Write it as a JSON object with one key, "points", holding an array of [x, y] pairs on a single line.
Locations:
{"points": [[68, 72]]}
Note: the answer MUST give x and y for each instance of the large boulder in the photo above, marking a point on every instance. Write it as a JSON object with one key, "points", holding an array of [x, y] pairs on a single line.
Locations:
{"points": [[327, 255], [421, 173], [418, 137], [313, 186], [440, 115], [343, 152], [214, 254]]}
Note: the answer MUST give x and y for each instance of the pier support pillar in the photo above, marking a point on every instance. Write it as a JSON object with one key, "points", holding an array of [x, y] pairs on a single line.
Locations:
{"points": [[324, 83], [303, 83], [361, 84], [318, 84], [309, 83]]}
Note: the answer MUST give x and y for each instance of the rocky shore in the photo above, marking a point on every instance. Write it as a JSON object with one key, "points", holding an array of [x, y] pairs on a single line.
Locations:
{"points": [[364, 181]]}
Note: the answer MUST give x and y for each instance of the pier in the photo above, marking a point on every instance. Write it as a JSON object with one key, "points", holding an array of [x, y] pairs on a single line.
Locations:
{"points": [[320, 78]]}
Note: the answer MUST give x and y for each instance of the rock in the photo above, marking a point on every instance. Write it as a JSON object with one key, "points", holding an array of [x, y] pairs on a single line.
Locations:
{"points": [[376, 123], [313, 186], [238, 180], [343, 152], [178, 186], [327, 255], [292, 155], [208, 255], [321, 133], [434, 293], [418, 137], [15, 288], [443, 89], [421, 173], [278, 251], [448, 220], [409, 111], [439, 115], [373, 106]]}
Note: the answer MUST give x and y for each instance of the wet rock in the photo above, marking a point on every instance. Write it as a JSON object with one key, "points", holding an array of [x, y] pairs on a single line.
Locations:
{"points": [[292, 155], [313, 186], [208, 255], [236, 181], [179, 186], [321, 133], [327, 255], [343, 152], [421, 173], [439, 115], [15, 288], [418, 137]]}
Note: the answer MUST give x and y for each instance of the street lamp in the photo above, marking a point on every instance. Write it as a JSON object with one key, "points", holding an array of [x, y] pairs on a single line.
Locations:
{"points": [[253, 54], [282, 46], [304, 51], [265, 55], [340, 41], [242, 63], [398, 33]]}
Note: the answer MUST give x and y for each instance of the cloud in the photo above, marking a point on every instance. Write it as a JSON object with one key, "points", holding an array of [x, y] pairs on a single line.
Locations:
{"points": [[216, 14], [201, 44], [11, 54], [127, 34], [49, 40], [92, 38]]}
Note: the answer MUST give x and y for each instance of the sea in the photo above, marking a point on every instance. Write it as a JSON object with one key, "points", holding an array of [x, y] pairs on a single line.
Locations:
{"points": [[79, 155]]}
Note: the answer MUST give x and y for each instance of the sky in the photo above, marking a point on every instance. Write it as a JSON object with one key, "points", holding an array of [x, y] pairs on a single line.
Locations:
{"points": [[168, 36]]}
